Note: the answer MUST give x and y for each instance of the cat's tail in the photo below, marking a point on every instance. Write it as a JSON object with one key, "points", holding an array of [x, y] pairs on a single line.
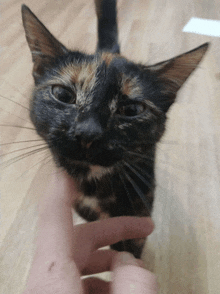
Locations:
{"points": [[107, 26]]}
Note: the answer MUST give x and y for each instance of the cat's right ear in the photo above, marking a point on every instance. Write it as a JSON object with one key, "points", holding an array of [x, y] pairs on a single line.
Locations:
{"points": [[173, 73], [43, 45]]}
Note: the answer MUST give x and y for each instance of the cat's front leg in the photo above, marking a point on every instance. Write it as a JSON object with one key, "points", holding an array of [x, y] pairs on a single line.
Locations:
{"points": [[89, 210], [112, 200]]}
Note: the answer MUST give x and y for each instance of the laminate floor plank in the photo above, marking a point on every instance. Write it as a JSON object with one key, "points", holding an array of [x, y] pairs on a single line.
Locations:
{"points": [[184, 249]]}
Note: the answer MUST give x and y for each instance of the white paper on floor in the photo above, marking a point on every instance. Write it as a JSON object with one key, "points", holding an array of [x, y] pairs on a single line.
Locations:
{"points": [[203, 26]]}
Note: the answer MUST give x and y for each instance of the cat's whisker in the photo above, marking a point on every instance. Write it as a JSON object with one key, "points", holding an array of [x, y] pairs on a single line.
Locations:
{"points": [[110, 181], [147, 183], [140, 155], [168, 142], [137, 144], [15, 126], [27, 141], [142, 170], [147, 158], [127, 192], [147, 174], [138, 190], [152, 159], [15, 102], [16, 116], [50, 160], [25, 148], [44, 158], [11, 161], [16, 89]]}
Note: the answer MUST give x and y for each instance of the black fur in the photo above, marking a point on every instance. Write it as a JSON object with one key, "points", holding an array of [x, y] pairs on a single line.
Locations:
{"points": [[107, 26]]}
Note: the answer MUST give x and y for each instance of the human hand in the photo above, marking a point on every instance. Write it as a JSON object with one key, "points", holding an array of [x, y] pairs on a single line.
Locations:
{"points": [[65, 252]]}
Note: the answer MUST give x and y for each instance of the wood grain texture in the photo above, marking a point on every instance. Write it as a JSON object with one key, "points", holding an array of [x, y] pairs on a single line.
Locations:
{"points": [[184, 249]]}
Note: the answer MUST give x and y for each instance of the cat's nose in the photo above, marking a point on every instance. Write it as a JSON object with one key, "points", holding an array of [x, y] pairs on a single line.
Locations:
{"points": [[86, 139], [87, 132], [85, 144]]}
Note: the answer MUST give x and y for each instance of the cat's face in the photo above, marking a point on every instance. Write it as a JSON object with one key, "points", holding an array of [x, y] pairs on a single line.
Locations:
{"points": [[93, 109]]}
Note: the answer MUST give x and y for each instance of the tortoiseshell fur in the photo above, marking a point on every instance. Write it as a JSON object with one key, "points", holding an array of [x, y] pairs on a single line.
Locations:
{"points": [[105, 136]]}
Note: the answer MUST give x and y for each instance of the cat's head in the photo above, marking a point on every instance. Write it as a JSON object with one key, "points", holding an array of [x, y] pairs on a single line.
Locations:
{"points": [[95, 109]]}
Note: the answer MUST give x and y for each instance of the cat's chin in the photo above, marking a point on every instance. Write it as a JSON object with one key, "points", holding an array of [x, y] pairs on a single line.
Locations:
{"points": [[85, 167]]}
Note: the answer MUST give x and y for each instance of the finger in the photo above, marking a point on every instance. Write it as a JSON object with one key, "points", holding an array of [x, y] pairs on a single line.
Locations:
{"points": [[55, 238], [100, 261], [128, 277], [95, 285], [122, 228], [110, 231]]}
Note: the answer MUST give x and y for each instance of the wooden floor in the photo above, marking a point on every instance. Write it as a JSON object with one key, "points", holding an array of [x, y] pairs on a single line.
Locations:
{"points": [[184, 250]]}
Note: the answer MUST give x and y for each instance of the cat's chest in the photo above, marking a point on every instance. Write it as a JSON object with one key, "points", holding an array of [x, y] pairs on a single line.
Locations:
{"points": [[95, 191], [107, 192]]}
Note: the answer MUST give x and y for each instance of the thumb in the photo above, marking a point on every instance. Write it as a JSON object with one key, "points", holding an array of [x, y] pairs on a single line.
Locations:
{"points": [[129, 277]]}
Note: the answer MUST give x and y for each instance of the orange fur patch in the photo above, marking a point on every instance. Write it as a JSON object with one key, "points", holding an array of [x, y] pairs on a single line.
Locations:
{"points": [[82, 73], [130, 87], [108, 57]]}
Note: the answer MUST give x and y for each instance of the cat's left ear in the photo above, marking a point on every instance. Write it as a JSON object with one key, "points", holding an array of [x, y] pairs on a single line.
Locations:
{"points": [[43, 45], [174, 72]]}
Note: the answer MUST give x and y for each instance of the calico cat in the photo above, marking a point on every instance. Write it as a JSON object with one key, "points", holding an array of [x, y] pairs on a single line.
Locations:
{"points": [[102, 116]]}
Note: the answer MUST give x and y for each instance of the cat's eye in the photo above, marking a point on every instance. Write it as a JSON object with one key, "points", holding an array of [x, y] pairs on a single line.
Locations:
{"points": [[64, 94], [131, 109]]}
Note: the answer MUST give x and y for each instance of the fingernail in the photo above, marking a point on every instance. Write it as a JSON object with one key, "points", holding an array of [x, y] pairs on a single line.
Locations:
{"points": [[128, 259]]}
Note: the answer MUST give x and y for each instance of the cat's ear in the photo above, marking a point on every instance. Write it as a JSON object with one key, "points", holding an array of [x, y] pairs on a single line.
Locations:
{"points": [[174, 72], [43, 45]]}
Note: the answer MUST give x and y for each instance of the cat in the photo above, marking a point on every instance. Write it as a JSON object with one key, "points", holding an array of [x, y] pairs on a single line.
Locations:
{"points": [[102, 115]]}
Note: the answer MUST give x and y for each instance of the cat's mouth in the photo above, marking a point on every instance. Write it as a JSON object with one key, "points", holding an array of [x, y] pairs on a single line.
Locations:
{"points": [[91, 154], [101, 156]]}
